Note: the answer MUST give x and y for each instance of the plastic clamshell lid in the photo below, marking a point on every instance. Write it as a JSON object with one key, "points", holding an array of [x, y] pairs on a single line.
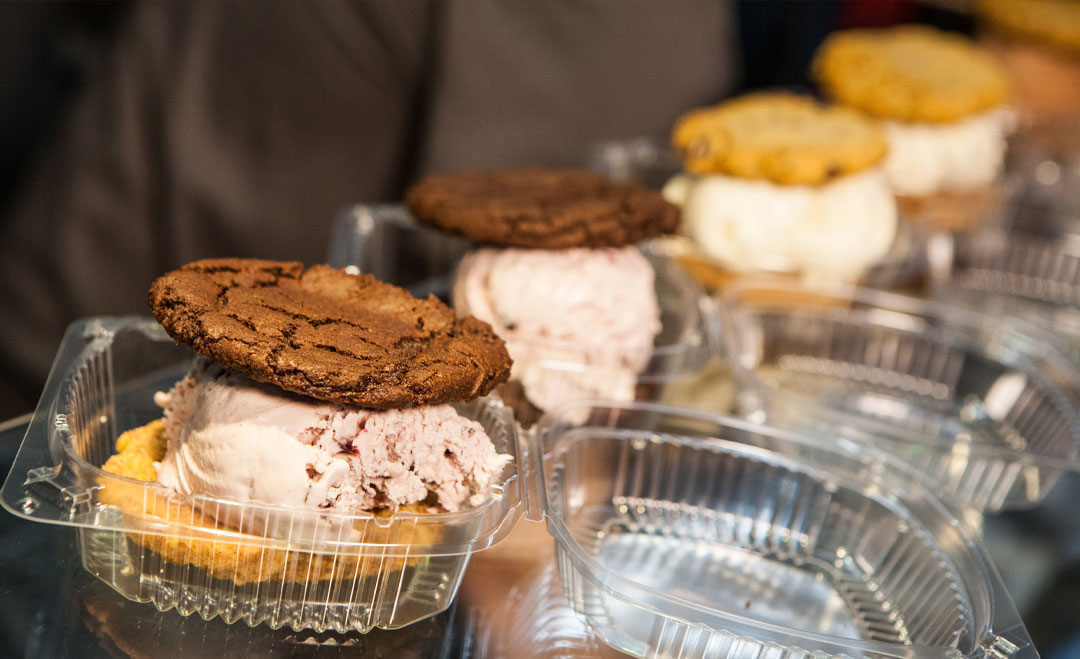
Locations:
{"points": [[984, 408], [103, 382], [685, 534]]}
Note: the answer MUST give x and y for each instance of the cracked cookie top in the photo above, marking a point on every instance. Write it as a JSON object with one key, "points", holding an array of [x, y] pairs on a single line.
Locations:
{"points": [[324, 333], [542, 208]]}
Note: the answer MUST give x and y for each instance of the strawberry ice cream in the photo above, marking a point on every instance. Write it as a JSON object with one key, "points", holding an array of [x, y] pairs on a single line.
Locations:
{"points": [[236, 438], [578, 323]]}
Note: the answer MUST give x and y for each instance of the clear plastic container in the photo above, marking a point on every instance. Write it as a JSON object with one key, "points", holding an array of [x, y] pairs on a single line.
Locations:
{"points": [[97, 623], [216, 557], [984, 409], [387, 242], [1031, 276], [1046, 157], [682, 534], [1028, 264], [541, 624], [648, 160], [678, 534]]}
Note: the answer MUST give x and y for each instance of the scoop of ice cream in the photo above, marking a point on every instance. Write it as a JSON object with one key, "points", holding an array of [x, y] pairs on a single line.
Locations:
{"points": [[578, 323], [232, 437], [925, 159], [833, 231]]}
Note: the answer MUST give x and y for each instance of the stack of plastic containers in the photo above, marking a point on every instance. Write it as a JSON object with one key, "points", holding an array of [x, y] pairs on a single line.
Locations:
{"points": [[677, 533], [833, 530]]}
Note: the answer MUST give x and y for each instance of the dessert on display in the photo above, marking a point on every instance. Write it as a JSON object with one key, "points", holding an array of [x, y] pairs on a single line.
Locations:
{"points": [[940, 100], [558, 276], [231, 436], [313, 390], [781, 183], [1038, 43]]}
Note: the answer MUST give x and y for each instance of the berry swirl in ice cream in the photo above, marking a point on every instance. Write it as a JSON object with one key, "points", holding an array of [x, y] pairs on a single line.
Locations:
{"points": [[310, 353], [233, 437]]}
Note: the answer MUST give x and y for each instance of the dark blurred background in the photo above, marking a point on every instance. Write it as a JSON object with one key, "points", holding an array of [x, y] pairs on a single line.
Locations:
{"points": [[135, 137]]}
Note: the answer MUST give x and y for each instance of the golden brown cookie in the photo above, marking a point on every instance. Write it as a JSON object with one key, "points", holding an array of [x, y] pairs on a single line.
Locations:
{"points": [[1047, 22], [327, 334], [227, 554], [910, 73], [1045, 80], [777, 137], [538, 208]]}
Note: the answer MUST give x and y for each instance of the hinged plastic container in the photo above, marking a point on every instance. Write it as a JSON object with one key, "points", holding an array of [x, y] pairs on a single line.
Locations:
{"points": [[678, 534], [234, 559], [683, 534], [983, 407], [1032, 276]]}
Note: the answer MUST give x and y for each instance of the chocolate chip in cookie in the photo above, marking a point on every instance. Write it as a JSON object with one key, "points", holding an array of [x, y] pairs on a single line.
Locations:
{"points": [[327, 334], [542, 208]]}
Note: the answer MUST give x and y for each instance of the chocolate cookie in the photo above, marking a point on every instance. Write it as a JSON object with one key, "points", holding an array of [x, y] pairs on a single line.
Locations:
{"points": [[542, 208], [327, 334]]}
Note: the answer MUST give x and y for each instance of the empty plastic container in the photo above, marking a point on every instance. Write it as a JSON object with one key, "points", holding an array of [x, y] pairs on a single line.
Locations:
{"points": [[687, 535], [983, 407]]}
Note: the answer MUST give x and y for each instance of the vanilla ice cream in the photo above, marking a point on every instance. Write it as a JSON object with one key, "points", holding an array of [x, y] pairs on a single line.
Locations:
{"points": [[578, 323], [232, 437], [833, 231], [926, 158]]}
